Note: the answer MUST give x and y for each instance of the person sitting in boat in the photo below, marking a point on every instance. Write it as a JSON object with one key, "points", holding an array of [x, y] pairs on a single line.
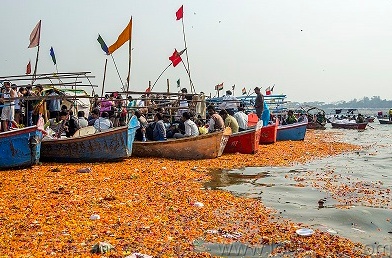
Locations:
{"points": [[229, 103], [103, 123], [360, 119], [52, 123], [57, 126], [82, 121], [216, 122], [93, 116], [72, 124], [201, 127], [230, 121], [159, 132], [190, 127], [242, 119], [291, 119]]}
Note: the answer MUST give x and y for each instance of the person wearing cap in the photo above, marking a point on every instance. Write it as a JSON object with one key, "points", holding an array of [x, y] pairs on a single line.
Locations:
{"points": [[229, 103], [8, 111], [259, 102]]}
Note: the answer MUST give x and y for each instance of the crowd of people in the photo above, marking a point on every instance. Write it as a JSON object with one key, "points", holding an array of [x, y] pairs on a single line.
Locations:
{"points": [[160, 117]]}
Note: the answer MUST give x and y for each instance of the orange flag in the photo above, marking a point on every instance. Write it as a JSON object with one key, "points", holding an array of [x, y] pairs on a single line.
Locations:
{"points": [[28, 68], [124, 37], [35, 35]]}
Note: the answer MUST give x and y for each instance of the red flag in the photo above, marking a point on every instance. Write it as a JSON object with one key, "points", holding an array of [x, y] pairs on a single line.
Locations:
{"points": [[176, 57], [35, 35], [28, 68], [148, 90], [268, 91], [180, 13]]}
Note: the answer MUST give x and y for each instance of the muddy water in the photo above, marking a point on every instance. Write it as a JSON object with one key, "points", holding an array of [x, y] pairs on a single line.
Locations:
{"points": [[347, 195]]}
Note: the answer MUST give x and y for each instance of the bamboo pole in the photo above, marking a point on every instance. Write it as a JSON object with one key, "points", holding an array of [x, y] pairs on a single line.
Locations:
{"points": [[104, 77]]}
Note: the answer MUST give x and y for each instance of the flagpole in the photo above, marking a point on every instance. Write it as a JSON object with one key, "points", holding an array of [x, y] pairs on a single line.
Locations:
{"points": [[190, 80], [130, 55], [104, 77], [160, 75], [35, 67], [118, 73], [187, 57]]}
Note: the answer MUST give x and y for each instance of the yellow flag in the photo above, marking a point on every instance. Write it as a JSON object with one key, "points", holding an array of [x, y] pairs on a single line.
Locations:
{"points": [[124, 37]]}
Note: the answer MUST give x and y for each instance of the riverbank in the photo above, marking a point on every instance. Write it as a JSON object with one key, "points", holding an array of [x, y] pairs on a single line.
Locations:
{"points": [[153, 206]]}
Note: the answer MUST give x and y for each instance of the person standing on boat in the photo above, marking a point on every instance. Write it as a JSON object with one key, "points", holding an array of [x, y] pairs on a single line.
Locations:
{"points": [[242, 119], [229, 121], [8, 111], [216, 122], [229, 103], [54, 105], [266, 114], [259, 103], [390, 114], [159, 132]]}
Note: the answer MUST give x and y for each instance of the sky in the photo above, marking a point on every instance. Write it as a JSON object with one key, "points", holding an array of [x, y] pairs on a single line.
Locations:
{"points": [[324, 50]]}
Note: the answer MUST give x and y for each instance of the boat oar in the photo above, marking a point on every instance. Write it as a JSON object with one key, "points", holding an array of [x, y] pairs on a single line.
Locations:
{"points": [[370, 126]]}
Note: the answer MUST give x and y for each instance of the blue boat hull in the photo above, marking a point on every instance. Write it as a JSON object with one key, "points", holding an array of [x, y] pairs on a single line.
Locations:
{"points": [[292, 132], [20, 148], [114, 144]]}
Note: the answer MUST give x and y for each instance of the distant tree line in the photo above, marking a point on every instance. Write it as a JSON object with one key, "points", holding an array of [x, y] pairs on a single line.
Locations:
{"points": [[366, 102]]}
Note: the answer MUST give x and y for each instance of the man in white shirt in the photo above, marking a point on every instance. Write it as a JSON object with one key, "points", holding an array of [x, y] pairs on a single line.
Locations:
{"points": [[103, 123], [191, 128], [229, 102], [242, 119]]}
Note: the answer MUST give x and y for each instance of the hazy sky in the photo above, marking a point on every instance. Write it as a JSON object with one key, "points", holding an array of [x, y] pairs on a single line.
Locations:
{"points": [[325, 50]]}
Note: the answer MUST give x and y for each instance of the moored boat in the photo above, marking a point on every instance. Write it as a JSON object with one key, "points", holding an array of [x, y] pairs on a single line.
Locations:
{"points": [[245, 142], [20, 147], [206, 146], [292, 132], [114, 144], [269, 132], [385, 121], [358, 126]]}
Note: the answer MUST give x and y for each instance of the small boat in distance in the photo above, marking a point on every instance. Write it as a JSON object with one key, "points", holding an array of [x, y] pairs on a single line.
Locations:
{"points": [[113, 144], [245, 142], [292, 132], [206, 146], [385, 121], [20, 147], [353, 125]]}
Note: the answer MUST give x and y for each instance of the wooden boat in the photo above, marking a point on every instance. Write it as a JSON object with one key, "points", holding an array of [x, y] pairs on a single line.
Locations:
{"points": [[206, 146], [316, 125], [114, 144], [358, 126], [292, 132], [268, 133], [246, 142], [385, 121], [20, 147]]}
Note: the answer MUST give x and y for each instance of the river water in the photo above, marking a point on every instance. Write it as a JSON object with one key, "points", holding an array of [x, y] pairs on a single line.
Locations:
{"points": [[348, 195]]}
